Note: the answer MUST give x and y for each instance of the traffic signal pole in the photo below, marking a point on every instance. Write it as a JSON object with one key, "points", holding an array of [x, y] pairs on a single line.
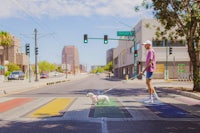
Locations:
{"points": [[36, 56], [121, 33], [135, 59], [166, 64], [109, 39]]}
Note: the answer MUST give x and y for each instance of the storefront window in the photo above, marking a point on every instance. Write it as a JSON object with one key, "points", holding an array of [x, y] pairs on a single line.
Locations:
{"points": [[180, 43]]}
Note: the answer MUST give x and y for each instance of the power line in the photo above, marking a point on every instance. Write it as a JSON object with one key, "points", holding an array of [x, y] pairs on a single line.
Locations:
{"points": [[121, 22], [44, 27]]}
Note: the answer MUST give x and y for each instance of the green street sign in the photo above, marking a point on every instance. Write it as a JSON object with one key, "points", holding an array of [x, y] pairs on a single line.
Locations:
{"points": [[125, 33]]}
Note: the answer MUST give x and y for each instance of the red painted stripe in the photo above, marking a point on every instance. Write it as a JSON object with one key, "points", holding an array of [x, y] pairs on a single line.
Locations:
{"points": [[5, 106]]}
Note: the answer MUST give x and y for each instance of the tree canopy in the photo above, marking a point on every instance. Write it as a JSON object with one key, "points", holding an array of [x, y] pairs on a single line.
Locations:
{"points": [[5, 39], [109, 66], [46, 67]]}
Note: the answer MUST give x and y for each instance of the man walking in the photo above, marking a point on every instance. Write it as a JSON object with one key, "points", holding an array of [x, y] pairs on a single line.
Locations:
{"points": [[150, 67]]}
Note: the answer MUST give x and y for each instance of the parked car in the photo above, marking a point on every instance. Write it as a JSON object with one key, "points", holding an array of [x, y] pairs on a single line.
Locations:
{"points": [[43, 75], [16, 75]]}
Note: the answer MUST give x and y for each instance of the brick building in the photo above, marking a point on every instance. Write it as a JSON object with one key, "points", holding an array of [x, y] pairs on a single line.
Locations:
{"points": [[13, 54], [70, 58]]}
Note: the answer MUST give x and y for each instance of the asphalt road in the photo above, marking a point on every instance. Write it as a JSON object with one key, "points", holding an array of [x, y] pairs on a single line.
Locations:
{"points": [[75, 118], [96, 84]]}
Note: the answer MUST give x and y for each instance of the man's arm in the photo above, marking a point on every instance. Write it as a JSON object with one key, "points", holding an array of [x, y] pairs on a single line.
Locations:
{"points": [[148, 65]]}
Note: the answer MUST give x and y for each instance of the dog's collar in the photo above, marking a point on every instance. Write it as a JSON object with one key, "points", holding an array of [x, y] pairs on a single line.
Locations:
{"points": [[95, 96]]}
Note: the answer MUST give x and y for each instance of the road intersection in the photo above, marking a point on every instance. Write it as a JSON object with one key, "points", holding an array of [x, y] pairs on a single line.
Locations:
{"points": [[67, 103]]}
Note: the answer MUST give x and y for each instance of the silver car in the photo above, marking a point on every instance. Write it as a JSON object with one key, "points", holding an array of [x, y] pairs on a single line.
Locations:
{"points": [[16, 75]]}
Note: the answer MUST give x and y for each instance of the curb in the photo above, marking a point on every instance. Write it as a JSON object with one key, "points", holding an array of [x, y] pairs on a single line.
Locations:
{"points": [[179, 92]]}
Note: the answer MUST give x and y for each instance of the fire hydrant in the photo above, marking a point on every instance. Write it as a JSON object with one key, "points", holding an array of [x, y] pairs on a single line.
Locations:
{"points": [[126, 76]]}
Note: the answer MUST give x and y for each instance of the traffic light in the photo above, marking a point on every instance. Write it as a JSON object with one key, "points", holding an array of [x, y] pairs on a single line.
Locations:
{"points": [[27, 49], [135, 53], [105, 39], [36, 51], [85, 38], [170, 50]]}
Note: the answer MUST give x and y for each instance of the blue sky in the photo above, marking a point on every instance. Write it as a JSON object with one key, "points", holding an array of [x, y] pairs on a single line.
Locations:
{"points": [[63, 22]]}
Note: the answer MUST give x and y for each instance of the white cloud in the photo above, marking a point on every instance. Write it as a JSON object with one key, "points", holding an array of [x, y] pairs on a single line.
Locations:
{"points": [[54, 8]]}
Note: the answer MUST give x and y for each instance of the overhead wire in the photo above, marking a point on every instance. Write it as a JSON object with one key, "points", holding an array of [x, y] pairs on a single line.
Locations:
{"points": [[44, 27]]}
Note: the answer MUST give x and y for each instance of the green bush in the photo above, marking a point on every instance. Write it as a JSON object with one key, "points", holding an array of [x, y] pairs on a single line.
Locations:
{"points": [[7, 73]]}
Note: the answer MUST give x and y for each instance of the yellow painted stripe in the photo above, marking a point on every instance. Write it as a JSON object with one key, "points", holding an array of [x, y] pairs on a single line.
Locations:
{"points": [[53, 108]]}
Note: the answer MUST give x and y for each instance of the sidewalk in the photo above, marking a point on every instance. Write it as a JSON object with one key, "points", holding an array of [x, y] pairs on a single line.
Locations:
{"points": [[15, 86], [184, 88]]}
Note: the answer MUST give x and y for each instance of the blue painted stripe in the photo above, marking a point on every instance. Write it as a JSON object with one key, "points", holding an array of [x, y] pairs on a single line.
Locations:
{"points": [[169, 111]]}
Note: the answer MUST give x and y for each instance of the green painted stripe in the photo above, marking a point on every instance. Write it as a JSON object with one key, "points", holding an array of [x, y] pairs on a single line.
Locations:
{"points": [[112, 110]]}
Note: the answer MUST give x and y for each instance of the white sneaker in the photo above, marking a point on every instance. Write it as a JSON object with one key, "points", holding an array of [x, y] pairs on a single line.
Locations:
{"points": [[156, 96], [149, 101], [146, 99]]}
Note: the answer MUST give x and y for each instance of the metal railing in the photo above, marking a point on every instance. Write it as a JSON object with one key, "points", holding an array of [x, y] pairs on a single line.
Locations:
{"points": [[185, 76]]}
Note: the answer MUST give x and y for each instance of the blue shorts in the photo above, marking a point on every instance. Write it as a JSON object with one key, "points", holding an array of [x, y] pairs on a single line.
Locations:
{"points": [[149, 75]]}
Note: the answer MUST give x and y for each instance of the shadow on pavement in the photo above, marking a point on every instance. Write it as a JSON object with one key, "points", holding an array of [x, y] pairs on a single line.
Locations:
{"points": [[50, 127]]}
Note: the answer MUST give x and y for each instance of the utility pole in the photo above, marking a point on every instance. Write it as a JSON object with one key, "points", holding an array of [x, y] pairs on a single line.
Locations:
{"points": [[166, 63], [36, 56]]}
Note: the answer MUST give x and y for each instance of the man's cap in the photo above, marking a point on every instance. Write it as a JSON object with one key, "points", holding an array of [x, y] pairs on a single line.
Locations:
{"points": [[147, 42]]}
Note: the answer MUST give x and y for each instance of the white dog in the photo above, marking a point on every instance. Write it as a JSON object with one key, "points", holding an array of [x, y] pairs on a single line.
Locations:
{"points": [[96, 99]]}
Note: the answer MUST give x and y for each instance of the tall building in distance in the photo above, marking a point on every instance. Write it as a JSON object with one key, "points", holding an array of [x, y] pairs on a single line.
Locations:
{"points": [[109, 55], [70, 59]]}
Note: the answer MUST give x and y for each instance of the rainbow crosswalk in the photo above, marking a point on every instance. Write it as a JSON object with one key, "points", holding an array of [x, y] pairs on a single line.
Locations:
{"points": [[80, 108], [53, 108], [10, 104]]}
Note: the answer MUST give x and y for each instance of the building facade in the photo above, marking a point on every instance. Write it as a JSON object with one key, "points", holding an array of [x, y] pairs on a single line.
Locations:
{"points": [[83, 68], [109, 55], [13, 54], [169, 66], [70, 57], [123, 63]]}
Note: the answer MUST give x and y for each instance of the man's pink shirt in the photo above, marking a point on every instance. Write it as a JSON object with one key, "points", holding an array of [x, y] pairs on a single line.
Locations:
{"points": [[151, 56]]}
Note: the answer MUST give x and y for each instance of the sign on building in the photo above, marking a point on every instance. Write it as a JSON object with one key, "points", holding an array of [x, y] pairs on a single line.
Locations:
{"points": [[160, 68], [181, 68]]}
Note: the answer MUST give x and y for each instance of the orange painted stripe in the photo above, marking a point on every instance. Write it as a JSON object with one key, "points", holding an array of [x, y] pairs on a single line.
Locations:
{"points": [[5, 106]]}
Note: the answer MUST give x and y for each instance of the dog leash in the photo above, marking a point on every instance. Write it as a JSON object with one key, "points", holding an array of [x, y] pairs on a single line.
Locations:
{"points": [[136, 76], [108, 90]]}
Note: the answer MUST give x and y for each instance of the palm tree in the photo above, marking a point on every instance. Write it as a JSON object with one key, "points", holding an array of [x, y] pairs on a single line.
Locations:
{"points": [[6, 40]]}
